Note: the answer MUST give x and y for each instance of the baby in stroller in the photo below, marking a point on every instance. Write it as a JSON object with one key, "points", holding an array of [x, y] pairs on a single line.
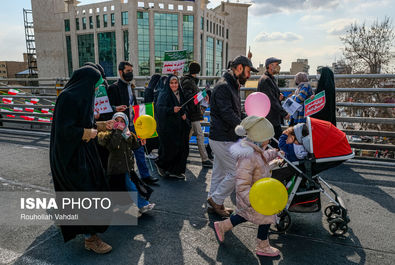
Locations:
{"points": [[319, 146]]}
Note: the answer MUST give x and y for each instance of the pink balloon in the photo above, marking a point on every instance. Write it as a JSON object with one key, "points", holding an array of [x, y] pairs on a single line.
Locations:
{"points": [[257, 104]]}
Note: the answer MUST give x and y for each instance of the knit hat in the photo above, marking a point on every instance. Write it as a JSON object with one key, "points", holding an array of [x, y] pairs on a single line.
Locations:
{"points": [[301, 77], [257, 129], [194, 68]]}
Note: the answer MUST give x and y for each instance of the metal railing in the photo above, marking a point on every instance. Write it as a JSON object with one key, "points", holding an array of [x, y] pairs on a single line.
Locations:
{"points": [[48, 89]]}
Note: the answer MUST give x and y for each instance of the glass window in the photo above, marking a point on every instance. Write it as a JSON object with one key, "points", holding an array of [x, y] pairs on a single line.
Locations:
{"points": [[126, 45], [227, 33], [226, 54], [112, 19], [86, 49], [210, 56], [107, 52], [77, 24], [202, 23], [211, 27], [97, 21], [218, 57], [143, 43], [166, 36], [207, 24], [69, 57], [84, 23], [90, 22], [124, 16], [105, 20], [67, 25], [187, 33]]}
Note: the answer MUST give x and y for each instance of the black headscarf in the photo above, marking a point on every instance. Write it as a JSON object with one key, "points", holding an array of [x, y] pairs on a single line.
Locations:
{"points": [[150, 90], [327, 84]]}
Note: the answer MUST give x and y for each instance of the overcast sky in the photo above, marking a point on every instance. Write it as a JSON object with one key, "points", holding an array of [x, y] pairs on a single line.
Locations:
{"points": [[287, 29]]}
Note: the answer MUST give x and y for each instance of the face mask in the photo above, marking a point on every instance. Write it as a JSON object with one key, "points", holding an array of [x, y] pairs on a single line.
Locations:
{"points": [[128, 76]]}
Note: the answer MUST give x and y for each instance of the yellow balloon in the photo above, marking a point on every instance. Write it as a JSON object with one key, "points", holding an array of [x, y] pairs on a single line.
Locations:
{"points": [[268, 196], [145, 126]]}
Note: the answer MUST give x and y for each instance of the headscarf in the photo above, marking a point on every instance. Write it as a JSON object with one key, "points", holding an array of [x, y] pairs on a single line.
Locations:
{"points": [[124, 117]]}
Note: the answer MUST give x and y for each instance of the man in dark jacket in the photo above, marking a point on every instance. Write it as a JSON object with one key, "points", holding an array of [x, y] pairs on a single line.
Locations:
{"points": [[226, 114], [189, 87], [122, 96], [267, 84]]}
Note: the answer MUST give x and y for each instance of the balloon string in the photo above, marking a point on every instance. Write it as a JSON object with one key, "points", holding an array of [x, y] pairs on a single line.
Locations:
{"points": [[149, 160]]}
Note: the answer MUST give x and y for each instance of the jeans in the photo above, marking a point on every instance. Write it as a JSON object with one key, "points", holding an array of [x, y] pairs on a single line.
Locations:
{"points": [[263, 230], [130, 186], [140, 158]]}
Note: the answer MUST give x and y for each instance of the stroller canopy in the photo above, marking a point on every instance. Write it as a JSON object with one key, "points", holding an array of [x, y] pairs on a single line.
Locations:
{"points": [[327, 140]]}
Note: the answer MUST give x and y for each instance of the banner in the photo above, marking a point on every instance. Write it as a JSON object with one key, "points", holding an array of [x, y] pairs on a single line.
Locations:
{"points": [[312, 106], [102, 103], [174, 61]]}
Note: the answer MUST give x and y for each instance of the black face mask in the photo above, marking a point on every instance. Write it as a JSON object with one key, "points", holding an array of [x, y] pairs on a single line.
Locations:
{"points": [[127, 76]]}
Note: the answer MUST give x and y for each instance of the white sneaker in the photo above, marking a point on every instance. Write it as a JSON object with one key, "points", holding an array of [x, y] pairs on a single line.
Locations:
{"points": [[151, 156], [147, 208]]}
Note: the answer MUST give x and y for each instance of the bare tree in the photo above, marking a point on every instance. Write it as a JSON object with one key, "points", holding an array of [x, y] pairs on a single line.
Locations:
{"points": [[369, 47]]}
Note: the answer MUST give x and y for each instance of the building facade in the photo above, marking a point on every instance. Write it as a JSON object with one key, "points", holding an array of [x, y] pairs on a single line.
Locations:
{"points": [[8, 69], [301, 65], [140, 31]]}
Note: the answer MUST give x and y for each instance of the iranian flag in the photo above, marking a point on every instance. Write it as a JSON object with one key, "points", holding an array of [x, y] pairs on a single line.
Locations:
{"points": [[143, 109], [199, 96], [12, 91], [4, 109], [7, 100], [28, 118], [29, 109], [44, 119], [34, 100], [10, 116], [44, 110], [18, 109]]}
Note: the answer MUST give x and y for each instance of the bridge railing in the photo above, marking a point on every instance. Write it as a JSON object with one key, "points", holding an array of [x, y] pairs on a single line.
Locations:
{"points": [[27, 104]]}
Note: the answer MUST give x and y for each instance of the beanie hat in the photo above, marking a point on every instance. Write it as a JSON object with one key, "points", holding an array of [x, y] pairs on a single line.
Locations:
{"points": [[194, 68], [301, 77], [257, 129]]}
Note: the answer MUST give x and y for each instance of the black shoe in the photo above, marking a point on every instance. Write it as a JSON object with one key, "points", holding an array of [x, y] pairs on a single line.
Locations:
{"points": [[150, 180], [207, 164]]}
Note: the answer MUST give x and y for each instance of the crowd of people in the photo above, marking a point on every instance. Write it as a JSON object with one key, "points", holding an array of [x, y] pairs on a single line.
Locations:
{"points": [[97, 152]]}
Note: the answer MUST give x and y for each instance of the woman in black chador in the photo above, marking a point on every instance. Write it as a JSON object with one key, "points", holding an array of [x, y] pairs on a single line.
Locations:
{"points": [[327, 84], [173, 129], [75, 162]]}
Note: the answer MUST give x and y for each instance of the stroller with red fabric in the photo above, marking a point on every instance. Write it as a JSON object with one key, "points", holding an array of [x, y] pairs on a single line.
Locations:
{"points": [[327, 147]]}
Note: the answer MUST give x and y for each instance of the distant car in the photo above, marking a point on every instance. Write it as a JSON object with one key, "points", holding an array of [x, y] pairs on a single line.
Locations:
{"points": [[356, 139]]}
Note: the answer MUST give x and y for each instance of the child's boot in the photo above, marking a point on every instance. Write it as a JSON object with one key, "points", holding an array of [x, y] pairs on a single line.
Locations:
{"points": [[263, 248], [222, 227]]}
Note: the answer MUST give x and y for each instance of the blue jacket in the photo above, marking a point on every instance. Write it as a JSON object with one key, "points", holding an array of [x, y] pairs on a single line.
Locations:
{"points": [[287, 148]]}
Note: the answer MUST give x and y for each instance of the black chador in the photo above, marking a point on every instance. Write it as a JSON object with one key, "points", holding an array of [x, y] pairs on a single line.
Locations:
{"points": [[173, 131], [75, 163]]}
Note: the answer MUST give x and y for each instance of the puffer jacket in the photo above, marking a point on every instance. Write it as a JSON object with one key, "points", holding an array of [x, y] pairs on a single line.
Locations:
{"points": [[121, 158], [250, 168]]}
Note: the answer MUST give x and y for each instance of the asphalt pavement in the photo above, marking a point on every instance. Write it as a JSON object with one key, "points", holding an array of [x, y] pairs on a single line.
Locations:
{"points": [[179, 230]]}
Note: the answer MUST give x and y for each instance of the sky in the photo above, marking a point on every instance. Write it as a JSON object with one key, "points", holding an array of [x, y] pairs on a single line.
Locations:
{"points": [[286, 29]]}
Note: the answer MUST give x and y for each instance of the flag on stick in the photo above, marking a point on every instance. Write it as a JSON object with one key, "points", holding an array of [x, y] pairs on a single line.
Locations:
{"points": [[143, 109], [199, 96], [12, 91]]}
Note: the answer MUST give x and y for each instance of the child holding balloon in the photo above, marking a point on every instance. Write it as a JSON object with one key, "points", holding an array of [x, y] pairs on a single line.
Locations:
{"points": [[252, 165], [120, 142]]}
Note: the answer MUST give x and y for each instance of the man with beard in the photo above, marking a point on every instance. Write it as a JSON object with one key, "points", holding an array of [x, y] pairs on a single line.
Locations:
{"points": [[226, 114], [267, 84], [122, 96]]}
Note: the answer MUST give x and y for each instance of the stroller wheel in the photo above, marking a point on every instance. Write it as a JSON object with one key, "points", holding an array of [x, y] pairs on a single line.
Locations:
{"points": [[333, 211], [338, 226], [283, 222]]}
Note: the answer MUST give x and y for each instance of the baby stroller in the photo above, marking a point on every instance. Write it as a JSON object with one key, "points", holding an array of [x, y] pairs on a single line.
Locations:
{"points": [[327, 147]]}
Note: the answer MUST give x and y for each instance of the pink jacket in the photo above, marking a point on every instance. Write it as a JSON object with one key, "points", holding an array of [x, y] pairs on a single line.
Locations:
{"points": [[250, 167]]}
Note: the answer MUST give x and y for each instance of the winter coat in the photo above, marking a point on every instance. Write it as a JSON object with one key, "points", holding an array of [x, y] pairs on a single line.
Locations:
{"points": [[118, 95], [303, 92], [268, 86], [250, 168], [189, 88], [225, 109], [121, 158], [150, 89]]}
